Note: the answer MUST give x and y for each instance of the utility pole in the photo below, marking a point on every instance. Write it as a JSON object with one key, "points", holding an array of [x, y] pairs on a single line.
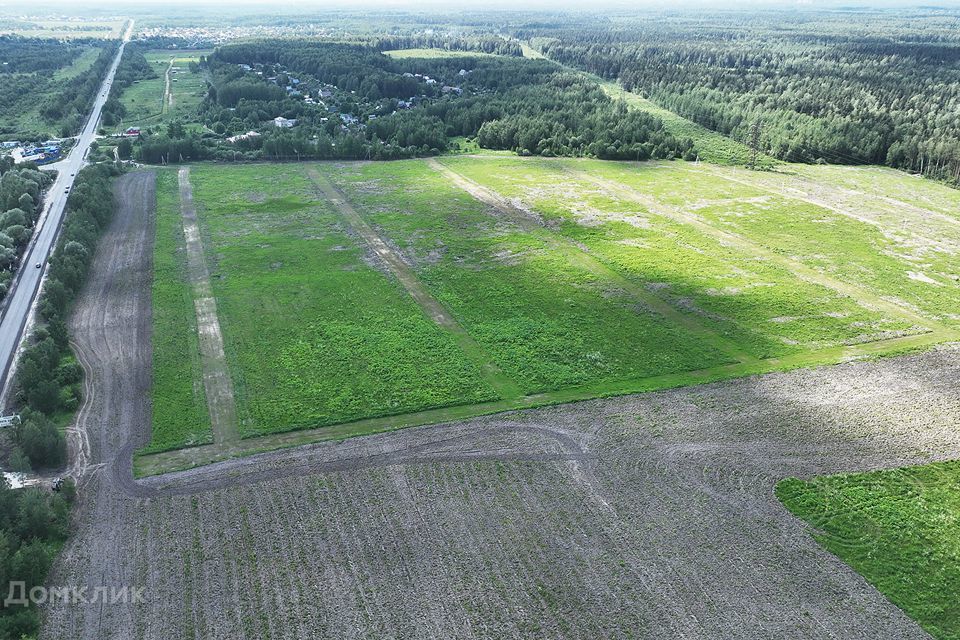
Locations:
{"points": [[754, 143]]}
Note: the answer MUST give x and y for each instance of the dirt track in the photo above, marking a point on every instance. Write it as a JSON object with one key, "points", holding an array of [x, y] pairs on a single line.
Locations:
{"points": [[649, 516]]}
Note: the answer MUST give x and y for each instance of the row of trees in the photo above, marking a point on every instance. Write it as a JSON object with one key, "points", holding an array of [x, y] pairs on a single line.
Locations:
{"points": [[884, 92], [20, 195], [48, 376], [34, 522]]}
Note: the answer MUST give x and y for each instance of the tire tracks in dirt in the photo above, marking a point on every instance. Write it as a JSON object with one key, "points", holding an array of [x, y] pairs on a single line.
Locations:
{"points": [[801, 270], [804, 195]]}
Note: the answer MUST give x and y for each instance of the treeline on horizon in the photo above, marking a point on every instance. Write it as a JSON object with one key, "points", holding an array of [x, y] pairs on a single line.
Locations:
{"points": [[506, 102], [884, 92]]}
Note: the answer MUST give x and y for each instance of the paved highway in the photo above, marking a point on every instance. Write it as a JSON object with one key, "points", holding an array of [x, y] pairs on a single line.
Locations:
{"points": [[19, 302]]}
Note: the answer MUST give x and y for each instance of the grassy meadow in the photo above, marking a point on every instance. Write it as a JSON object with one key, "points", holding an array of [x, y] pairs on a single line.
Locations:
{"points": [[179, 401], [896, 528], [146, 101], [555, 279]]}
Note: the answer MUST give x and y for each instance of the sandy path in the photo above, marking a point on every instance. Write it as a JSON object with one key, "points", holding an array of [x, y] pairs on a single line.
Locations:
{"points": [[647, 516], [167, 93], [213, 360]]}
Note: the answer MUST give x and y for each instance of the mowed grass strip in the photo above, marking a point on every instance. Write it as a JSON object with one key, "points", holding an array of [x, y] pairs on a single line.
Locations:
{"points": [[316, 331], [896, 528], [546, 321], [755, 303], [180, 416]]}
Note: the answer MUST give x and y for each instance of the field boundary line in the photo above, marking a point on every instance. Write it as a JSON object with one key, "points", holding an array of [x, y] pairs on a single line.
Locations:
{"points": [[591, 263], [801, 270], [213, 360], [409, 280]]}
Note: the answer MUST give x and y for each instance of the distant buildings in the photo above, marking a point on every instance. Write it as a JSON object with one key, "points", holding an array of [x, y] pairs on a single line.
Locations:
{"points": [[132, 132], [39, 155], [283, 123], [243, 136]]}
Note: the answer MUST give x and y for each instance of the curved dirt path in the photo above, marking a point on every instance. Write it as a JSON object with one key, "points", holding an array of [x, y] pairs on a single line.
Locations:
{"points": [[648, 516]]}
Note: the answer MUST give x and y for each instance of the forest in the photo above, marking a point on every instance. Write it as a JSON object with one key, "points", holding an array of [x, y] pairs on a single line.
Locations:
{"points": [[886, 92], [365, 105], [34, 523], [21, 190], [33, 85]]}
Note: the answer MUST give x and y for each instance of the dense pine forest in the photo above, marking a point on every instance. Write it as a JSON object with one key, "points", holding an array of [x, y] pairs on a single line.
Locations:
{"points": [[840, 87]]}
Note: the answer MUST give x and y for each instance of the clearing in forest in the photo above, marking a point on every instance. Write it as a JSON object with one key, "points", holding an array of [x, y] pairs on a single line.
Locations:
{"points": [[174, 94], [360, 297]]}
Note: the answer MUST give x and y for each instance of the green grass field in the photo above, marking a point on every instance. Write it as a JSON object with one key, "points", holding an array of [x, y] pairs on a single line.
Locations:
{"points": [[434, 53], [896, 528], [545, 319], [81, 63], [314, 333], [760, 305], [513, 282], [148, 104], [180, 415]]}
